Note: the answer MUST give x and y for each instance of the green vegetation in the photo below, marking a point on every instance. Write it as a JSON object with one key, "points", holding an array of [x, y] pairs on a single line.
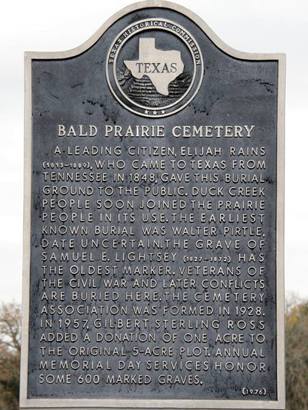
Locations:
{"points": [[297, 356], [10, 325]]}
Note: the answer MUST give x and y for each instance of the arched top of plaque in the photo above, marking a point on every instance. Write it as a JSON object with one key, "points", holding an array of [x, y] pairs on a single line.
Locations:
{"points": [[157, 55], [143, 5]]}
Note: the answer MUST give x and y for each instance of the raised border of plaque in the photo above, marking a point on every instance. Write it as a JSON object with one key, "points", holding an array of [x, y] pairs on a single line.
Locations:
{"points": [[114, 403]]}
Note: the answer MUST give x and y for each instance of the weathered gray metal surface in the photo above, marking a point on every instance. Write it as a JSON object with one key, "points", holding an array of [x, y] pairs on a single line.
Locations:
{"points": [[235, 89]]}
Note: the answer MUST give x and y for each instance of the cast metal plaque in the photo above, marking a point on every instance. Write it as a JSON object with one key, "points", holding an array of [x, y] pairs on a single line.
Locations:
{"points": [[153, 267]]}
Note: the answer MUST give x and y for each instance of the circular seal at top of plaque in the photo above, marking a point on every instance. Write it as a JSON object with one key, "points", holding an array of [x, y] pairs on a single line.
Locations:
{"points": [[154, 67]]}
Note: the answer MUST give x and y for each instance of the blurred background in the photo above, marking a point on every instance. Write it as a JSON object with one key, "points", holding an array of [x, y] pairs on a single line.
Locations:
{"points": [[259, 26]]}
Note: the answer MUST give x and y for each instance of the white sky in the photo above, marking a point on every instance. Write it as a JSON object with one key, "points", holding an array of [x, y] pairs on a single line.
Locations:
{"points": [[252, 26]]}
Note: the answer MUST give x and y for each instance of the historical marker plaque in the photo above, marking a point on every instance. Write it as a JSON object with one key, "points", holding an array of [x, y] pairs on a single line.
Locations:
{"points": [[153, 269]]}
